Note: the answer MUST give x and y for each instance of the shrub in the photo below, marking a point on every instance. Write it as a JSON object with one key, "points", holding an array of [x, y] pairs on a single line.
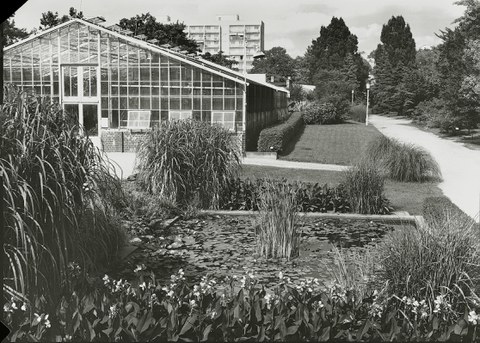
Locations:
{"points": [[277, 138], [182, 160], [275, 230], [363, 186], [244, 195], [358, 113], [438, 258], [58, 195], [321, 113], [402, 162]]}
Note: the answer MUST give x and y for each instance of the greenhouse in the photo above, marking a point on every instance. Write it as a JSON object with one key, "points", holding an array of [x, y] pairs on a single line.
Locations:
{"points": [[120, 86]]}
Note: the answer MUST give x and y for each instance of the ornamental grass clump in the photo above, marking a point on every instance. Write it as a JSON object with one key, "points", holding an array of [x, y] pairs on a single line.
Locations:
{"points": [[188, 159], [403, 162], [363, 187], [275, 230], [440, 257], [57, 198]]}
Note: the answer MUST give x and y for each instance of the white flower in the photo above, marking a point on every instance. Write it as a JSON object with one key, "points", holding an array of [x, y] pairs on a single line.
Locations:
{"points": [[24, 307], [170, 294], [213, 314], [14, 306], [139, 268], [473, 318], [280, 276], [143, 286], [193, 303], [47, 322]]}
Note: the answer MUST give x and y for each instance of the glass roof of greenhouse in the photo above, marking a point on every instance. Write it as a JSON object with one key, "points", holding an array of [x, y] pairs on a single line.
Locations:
{"points": [[195, 61]]}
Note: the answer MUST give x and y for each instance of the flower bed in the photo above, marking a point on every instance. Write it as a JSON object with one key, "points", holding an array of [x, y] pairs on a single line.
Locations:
{"points": [[240, 310]]}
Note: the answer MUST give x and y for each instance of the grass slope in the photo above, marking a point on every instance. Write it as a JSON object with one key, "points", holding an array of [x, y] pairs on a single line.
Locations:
{"points": [[332, 144]]}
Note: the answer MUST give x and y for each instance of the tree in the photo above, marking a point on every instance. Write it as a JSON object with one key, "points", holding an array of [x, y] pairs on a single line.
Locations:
{"points": [[221, 59], [394, 60], [50, 19], [276, 63], [334, 65], [11, 33], [458, 67], [172, 33]]}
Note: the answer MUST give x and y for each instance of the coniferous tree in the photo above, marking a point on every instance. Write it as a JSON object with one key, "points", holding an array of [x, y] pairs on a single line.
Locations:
{"points": [[332, 61], [394, 58]]}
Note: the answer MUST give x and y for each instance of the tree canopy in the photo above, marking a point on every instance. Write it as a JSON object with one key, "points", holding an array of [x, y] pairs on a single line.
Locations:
{"points": [[333, 62], [11, 33], [171, 33], [50, 19], [275, 63], [395, 60]]}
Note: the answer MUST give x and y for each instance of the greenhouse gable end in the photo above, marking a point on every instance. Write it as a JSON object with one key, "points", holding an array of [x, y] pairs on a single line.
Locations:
{"points": [[119, 86]]}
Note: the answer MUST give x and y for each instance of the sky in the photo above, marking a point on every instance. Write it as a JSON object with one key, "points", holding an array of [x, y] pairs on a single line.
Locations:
{"points": [[292, 24]]}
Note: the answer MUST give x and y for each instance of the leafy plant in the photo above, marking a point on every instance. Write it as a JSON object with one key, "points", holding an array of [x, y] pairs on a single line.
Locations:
{"points": [[238, 308], [277, 137], [244, 195], [275, 229], [363, 186], [180, 160], [59, 196]]}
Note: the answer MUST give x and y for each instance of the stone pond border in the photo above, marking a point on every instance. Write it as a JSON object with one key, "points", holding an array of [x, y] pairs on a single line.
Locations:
{"points": [[393, 218]]}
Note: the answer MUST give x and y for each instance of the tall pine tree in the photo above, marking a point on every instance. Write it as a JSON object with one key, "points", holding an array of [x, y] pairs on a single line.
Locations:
{"points": [[394, 58], [333, 62]]}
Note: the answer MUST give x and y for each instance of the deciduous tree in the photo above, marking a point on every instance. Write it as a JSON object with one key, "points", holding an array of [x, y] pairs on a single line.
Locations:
{"points": [[275, 63], [171, 33]]}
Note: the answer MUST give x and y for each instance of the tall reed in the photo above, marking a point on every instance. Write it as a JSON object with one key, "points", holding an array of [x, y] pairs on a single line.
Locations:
{"points": [[275, 230], [182, 160], [363, 186], [57, 197]]}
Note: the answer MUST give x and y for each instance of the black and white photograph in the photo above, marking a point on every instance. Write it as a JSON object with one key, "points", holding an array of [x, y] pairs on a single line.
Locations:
{"points": [[230, 171]]}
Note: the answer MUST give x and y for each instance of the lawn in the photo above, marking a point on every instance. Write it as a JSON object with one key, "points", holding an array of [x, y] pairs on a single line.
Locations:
{"points": [[404, 196], [331, 144]]}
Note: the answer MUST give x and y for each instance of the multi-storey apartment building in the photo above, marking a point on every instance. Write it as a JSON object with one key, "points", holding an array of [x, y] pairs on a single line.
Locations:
{"points": [[234, 37]]}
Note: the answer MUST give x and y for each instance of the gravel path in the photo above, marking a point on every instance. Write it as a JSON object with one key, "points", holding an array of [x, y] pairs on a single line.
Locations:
{"points": [[460, 166], [125, 161]]}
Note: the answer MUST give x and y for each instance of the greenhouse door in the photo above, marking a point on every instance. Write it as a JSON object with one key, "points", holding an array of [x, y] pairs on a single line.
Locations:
{"points": [[80, 95]]}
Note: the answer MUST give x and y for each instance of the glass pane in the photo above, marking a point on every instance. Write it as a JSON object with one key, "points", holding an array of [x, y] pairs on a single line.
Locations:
{"points": [[70, 81], [72, 110], [90, 119]]}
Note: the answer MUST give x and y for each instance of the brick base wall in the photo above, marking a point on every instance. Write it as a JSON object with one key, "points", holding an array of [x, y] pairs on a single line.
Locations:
{"points": [[127, 141], [121, 141]]}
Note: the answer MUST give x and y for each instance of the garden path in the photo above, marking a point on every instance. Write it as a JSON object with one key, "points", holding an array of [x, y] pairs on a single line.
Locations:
{"points": [[125, 161], [460, 166]]}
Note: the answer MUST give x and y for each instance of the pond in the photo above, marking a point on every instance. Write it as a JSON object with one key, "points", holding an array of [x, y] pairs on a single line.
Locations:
{"points": [[225, 245]]}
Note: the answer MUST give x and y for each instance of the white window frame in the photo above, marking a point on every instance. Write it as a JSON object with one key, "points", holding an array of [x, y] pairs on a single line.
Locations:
{"points": [[179, 115], [142, 122], [223, 121]]}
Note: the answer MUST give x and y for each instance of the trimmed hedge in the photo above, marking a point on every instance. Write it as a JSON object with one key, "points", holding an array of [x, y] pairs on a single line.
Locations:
{"points": [[276, 138], [323, 113], [438, 210]]}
